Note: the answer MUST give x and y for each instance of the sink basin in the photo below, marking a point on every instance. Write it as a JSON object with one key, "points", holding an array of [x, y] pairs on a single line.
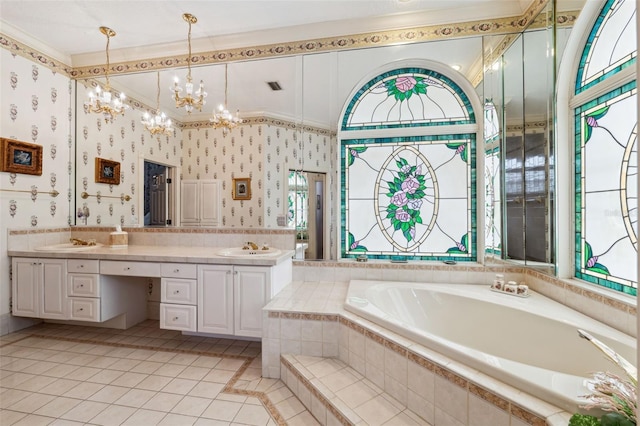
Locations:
{"points": [[66, 247], [240, 252]]}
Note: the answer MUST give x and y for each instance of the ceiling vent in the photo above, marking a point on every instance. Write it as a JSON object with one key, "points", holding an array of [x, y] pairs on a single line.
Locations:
{"points": [[274, 85]]}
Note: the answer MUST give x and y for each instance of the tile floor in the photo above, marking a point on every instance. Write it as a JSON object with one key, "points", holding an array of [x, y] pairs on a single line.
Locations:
{"points": [[74, 375]]}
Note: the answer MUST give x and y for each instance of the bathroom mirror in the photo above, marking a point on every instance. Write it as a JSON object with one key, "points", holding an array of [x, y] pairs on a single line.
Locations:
{"points": [[314, 90]]}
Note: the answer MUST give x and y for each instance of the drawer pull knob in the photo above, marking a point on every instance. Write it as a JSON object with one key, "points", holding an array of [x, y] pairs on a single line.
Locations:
{"points": [[81, 309], [176, 292], [81, 285], [127, 268], [82, 266], [175, 318], [176, 270]]}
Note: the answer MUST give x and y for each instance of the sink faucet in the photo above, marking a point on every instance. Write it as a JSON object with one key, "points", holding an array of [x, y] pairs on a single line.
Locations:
{"points": [[250, 245]]}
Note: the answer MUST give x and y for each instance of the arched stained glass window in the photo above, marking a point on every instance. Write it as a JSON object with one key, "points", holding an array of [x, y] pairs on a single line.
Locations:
{"points": [[611, 45], [606, 191], [404, 195], [408, 97]]}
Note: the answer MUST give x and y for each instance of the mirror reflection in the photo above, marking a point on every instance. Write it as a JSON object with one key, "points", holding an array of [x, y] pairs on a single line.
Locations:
{"points": [[292, 107]]}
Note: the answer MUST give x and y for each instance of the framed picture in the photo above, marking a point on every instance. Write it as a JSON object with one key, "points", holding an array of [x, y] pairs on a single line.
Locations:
{"points": [[241, 188], [20, 157], [107, 171]]}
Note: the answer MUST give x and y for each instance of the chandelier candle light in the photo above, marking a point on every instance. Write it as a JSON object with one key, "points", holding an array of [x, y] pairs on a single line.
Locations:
{"points": [[103, 101], [158, 124], [223, 118], [189, 101]]}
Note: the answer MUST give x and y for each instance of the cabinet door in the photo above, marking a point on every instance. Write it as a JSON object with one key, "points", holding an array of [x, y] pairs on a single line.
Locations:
{"points": [[251, 287], [53, 298], [25, 278], [190, 205], [209, 202], [215, 299]]}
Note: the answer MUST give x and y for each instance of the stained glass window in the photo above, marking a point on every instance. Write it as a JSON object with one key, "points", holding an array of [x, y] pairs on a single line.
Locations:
{"points": [[606, 190], [407, 97], [409, 196], [298, 209], [492, 167], [611, 45]]}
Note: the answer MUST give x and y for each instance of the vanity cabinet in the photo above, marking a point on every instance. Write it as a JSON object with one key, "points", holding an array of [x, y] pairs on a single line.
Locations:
{"points": [[231, 298], [200, 202], [178, 297], [83, 290], [39, 288]]}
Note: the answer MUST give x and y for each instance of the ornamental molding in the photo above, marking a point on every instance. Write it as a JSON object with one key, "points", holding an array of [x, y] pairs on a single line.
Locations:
{"points": [[508, 25]]}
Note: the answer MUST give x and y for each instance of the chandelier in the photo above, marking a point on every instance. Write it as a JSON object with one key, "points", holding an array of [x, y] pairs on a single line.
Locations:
{"points": [[158, 124], [223, 118], [103, 101], [189, 101]]}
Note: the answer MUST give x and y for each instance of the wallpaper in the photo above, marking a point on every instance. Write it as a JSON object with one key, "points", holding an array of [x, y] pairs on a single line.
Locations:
{"points": [[126, 141], [263, 150], [36, 105]]}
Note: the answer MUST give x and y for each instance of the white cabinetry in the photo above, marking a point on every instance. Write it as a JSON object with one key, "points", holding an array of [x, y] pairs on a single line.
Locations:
{"points": [[178, 297], [231, 298], [39, 288], [200, 203], [215, 299], [83, 289]]}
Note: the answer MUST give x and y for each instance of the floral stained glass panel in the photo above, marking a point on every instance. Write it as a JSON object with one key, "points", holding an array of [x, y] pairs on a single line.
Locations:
{"points": [[409, 197], [606, 190], [407, 98], [611, 45]]}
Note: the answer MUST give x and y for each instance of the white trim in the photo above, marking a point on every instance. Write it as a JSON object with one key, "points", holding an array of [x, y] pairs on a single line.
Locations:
{"points": [[564, 152]]}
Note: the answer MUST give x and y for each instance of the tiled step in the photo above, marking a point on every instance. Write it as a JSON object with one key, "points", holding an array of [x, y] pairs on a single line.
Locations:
{"points": [[336, 394]]}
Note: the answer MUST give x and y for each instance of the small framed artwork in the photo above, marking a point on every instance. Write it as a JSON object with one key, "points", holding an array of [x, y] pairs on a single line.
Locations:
{"points": [[107, 171], [20, 157], [241, 188]]}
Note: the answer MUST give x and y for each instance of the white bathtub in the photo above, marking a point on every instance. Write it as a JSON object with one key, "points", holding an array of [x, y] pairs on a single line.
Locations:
{"points": [[530, 343]]}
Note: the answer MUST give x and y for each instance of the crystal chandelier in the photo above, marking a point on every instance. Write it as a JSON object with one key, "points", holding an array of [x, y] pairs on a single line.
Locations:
{"points": [[223, 118], [189, 101], [158, 124], [103, 101]]}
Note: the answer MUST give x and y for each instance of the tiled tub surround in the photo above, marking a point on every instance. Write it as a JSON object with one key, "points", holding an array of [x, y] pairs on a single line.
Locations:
{"points": [[531, 343], [307, 319]]}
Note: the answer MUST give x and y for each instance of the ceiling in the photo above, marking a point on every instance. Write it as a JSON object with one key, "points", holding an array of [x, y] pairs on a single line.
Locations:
{"points": [[67, 30]]}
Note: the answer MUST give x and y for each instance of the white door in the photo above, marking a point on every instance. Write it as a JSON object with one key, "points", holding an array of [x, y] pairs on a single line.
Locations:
{"points": [[25, 279], [209, 202], [190, 203], [215, 299], [54, 289], [251, 289]]}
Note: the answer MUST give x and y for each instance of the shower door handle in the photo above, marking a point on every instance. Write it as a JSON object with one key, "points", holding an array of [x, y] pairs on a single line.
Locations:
{"points": [[318, 202]]}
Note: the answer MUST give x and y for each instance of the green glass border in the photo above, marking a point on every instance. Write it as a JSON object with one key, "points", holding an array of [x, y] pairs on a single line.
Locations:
{"points": [[578, 267], [472, 257], [446, 80]]}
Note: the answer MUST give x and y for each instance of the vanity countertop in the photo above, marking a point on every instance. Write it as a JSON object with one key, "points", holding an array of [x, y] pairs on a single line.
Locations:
{"points": [[178, 254]]}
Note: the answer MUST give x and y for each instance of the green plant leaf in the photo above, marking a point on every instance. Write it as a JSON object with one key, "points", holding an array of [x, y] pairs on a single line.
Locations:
{"points": [[598, 114], [587, 252], [600, 268], [615, 419], [583, 420]]}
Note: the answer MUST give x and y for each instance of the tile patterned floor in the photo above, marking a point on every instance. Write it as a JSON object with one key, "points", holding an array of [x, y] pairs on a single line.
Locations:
{"points": [[54, 374]]}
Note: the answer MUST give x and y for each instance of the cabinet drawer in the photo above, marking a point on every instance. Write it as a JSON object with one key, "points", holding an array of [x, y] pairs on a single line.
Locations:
{"points": [[83, 265], [178, 290], [131, 269], [85, 309], [177, 317], [83, 285], [178, 270]]}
